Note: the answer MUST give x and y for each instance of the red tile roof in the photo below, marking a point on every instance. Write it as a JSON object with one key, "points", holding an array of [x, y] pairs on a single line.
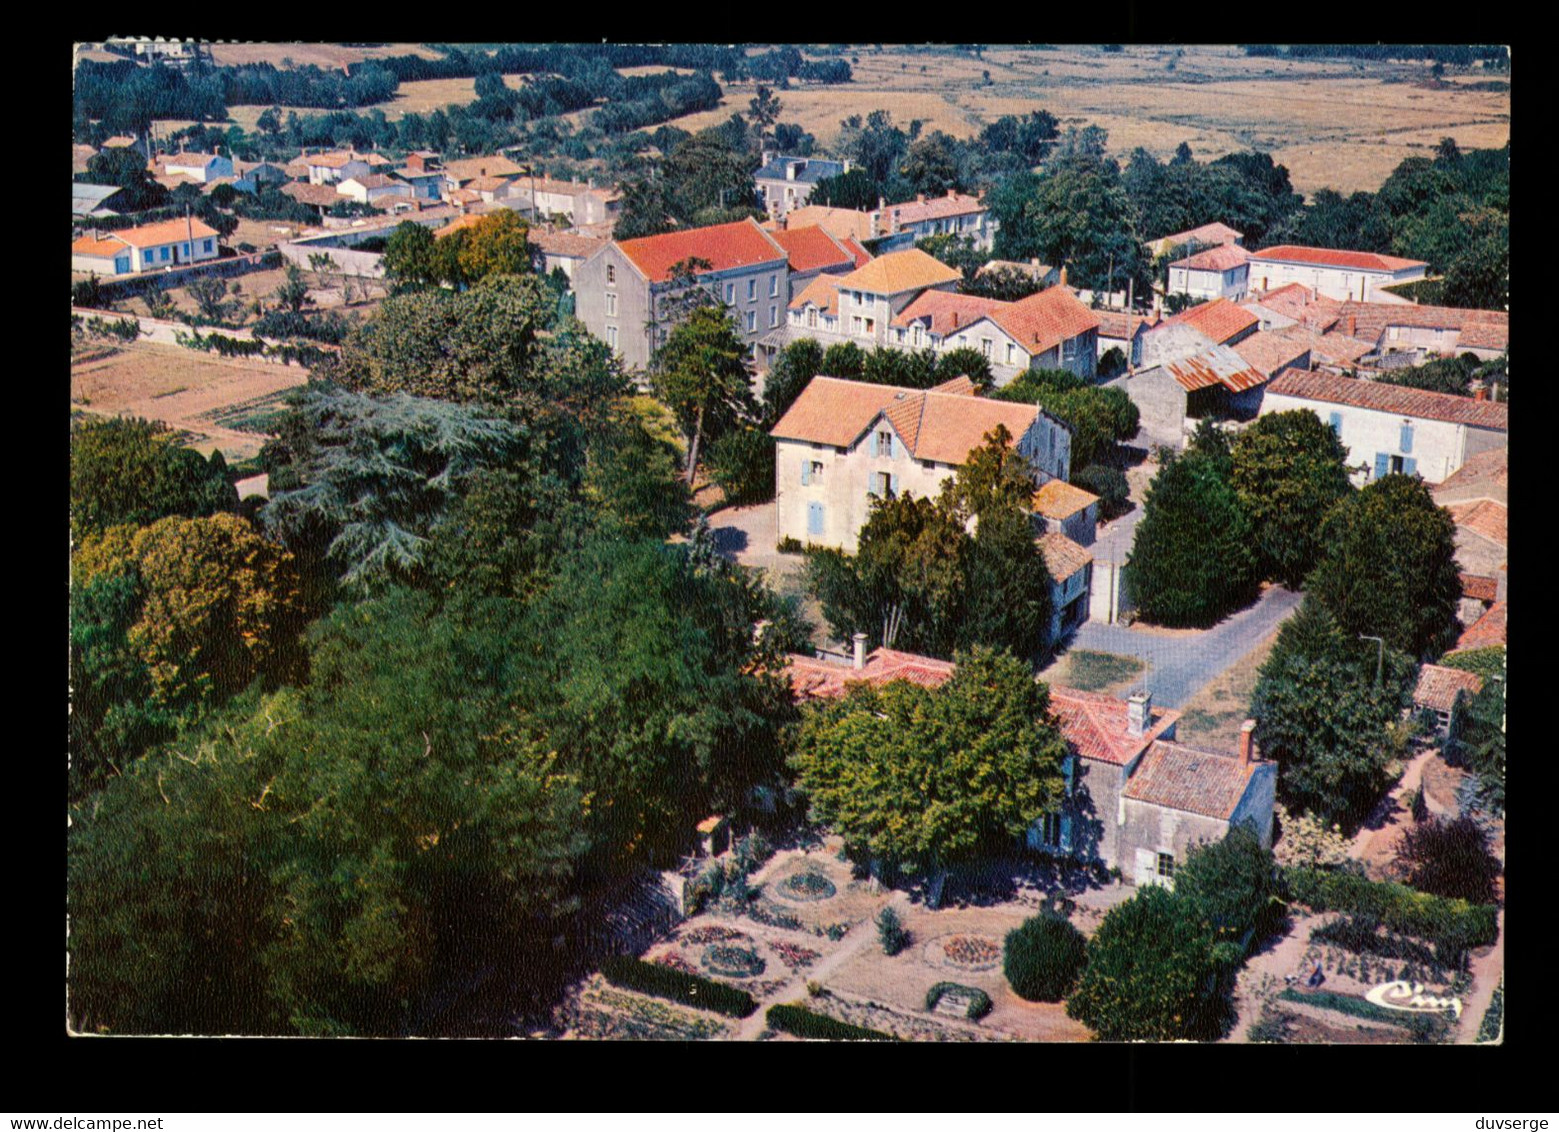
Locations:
{"points": [[723, 246], [960, 386], [812, 249], [1219, 319], [1298, 302], [853, 246], [944, 311], [1396, 399], [815, 679], [1480, 587], [934, 208], [1333, 257], [932, 426], [1186, 778], [565, 244], [1096, 725], [1437, 686], [1043, 321], [1485, 475], [1214, 233], [1488, 330], [1063, 557], [1221, 258], [1117, 324], [1269, 351], [1057, 499], [1219, 365], [1482, 516], [823, 292], [151, 235], [1486, 631], [320, 196], [908, 270]]}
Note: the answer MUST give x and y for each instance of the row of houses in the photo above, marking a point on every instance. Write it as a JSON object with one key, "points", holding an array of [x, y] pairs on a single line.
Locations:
{"points": [[1135, 798]]}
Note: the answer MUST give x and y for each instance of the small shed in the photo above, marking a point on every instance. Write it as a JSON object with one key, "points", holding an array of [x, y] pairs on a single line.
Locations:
{"points": [[714, 835]]}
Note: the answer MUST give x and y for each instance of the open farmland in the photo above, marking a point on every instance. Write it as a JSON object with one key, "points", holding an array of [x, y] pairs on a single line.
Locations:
{"points": [[1339, 124], [218, 402], [307, 54]]}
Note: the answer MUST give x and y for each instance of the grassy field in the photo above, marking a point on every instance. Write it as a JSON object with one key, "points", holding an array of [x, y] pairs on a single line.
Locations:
{"points": [[1213, 716], [1094, 671], [306, 54]]}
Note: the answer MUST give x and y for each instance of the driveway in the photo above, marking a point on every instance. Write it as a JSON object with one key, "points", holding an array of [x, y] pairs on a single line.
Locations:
{"points": [[1181, 664]]}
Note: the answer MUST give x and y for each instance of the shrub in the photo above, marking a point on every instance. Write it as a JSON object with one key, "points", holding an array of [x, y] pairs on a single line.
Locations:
{"points": [[1424, 1027], [890, 932], [790, 544], [706, 887], [979, 1003], [665, 982], [1493, 1024], [1361, 934], [1452, 926], [1112, 362], [1044, 956], [87, 293], [803, 1023], [1109, 484], [1273, 1026], [1449, 858], [751, 851], [742, 463]]}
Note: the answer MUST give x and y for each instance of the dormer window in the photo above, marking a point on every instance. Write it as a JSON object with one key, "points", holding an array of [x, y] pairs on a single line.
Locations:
{"points": [[884, 443]]}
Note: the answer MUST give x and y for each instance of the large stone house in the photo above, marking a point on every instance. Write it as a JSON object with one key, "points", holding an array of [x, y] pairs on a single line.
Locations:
{"points": [[129, 251], [1391, 428], [905, 300], [1216, 273], [1333, 273], [1135, 799], [580, 202], [623, 289], [785, 183], [843, 444]]}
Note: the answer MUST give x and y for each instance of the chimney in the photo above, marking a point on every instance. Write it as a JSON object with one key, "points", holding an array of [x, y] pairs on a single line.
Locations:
{"points": [[860, 650], [1247, 731], [920, 198], [955, 320], [1480, 392], [1353, 324], [768, 156], [1063, 275], [1139, 709]]}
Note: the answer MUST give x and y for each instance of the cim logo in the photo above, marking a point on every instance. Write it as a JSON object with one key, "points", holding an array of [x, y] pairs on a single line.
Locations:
{"points": [[1402, 995]]}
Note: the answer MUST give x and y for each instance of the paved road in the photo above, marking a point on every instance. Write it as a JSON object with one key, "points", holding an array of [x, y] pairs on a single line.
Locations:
{"points": [[1180, 665]]}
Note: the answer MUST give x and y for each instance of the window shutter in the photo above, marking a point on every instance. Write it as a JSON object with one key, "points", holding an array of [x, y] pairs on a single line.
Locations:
{"points": [[1409, 466], [898, 448], [1336, 423], [1407, 438], [814, 518], [1380, 465], [806, 472], [893, 485]]}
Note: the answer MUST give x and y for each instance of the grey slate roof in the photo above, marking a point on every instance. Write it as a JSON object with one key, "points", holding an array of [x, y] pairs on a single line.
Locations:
{"points": [[815, 170]]}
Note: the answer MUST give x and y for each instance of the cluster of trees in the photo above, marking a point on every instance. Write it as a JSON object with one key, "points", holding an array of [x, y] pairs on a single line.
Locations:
{"points": [[802, 360], [513, 695], [1477, 731], [1458, 55], [917, 779], [1162, 965], [1098, 418], [1452, 211], [1222, 517], [919, 581], [497, 244], [1453, 375]]}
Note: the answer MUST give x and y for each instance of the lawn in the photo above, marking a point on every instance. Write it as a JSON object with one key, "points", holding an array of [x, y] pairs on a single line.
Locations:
{"points": [[1095, 671], [1212, 718]]}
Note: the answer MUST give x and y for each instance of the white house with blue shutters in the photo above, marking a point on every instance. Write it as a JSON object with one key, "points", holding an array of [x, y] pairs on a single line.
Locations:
{"points": [[1390, 428], [128, 251]]}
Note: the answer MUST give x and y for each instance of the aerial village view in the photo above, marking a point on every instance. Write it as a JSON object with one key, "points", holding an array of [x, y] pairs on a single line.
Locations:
{"points": [[944, 543]]}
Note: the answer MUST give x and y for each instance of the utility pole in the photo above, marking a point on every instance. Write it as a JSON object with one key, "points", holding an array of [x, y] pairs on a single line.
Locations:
{"points": [[1380, 658]]}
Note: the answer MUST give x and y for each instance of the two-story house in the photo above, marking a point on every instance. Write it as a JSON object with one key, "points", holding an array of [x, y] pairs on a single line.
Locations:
{"points": [[130, 251], [1203, 236], [784, 183], [577, 202], [1392, 428], [331, 168], [956, 214], [623, 290], [843, 444], [1330, 272], [199, 167], [1216, 273]]}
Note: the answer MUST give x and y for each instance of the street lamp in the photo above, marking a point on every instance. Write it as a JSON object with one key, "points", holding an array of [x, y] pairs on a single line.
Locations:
{"points": [[1381, 656]]}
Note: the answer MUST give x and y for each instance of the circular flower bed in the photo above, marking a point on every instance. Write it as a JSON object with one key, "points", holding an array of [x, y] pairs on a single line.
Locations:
{"points": [[807, 886], [733, 962], [973, 952]]}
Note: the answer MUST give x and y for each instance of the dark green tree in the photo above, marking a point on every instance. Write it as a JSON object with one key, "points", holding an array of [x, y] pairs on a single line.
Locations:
{"points": [[127, 470], [1231, 885], [1043, 957], [701, 374]]}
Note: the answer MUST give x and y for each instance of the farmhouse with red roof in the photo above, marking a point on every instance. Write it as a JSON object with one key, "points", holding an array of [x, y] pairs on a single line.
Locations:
{"points": [[1330, 272]]}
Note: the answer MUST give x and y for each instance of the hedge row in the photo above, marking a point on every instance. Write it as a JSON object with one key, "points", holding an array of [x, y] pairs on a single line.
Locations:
{"points": [[691, 990], [1423, 1026], [1453, 926], [803, 1023], [979, 1002]]}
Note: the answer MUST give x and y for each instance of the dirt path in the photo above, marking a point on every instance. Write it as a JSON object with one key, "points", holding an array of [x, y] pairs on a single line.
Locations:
{"points": [[1486, 973], [1375, 842], [1262, 975]]}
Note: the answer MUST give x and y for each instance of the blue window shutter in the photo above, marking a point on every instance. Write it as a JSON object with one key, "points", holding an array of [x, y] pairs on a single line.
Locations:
{"points": [[1409, 466], [897, 447], [1336, 423], [814, 518], [806, 472], [893, 485], [1407, 438], [1380, 465]]}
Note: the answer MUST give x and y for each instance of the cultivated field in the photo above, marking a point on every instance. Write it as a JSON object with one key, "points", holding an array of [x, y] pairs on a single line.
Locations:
{"points": [[1337, 124], [305, 54], [218, 402]]}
